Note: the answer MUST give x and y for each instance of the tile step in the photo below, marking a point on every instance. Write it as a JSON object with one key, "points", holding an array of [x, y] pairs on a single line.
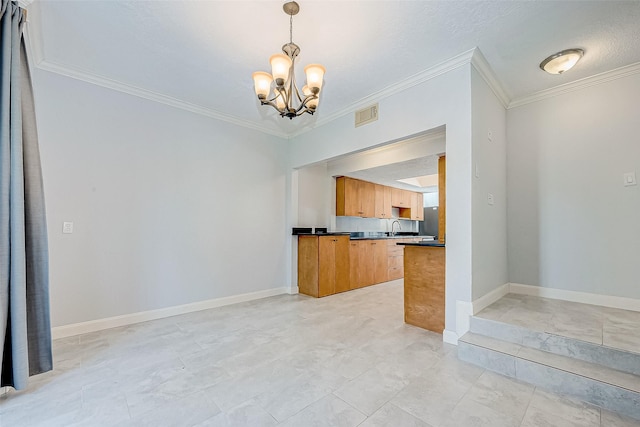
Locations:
{"points": [[594, 383], [621, 360]]}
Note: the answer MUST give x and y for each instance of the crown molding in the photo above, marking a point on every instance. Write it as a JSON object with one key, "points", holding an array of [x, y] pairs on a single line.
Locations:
{"points": [[481, 65], [151, 95], [414, 80], [24, 3], [598, 79]]}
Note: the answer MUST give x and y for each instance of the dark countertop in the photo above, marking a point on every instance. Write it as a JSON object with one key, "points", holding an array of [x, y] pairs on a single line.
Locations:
{"points": [[344, 233], [432, 243], [384, 237], [369, 236]]}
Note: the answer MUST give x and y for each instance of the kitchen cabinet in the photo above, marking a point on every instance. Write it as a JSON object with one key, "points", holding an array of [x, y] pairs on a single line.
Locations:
{"points": [[369, 265], [355, 197], [382, 201], [417, 208], [323, 265], [401, 198], [395, 268], [354, 264]]}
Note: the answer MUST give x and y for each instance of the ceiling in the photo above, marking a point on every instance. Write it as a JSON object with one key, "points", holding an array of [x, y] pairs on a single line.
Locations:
{"points": [[199, 55], [390, 174]]}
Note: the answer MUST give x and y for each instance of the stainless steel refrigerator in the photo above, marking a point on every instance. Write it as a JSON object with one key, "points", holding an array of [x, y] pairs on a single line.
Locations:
{"points": [[429, 227]]}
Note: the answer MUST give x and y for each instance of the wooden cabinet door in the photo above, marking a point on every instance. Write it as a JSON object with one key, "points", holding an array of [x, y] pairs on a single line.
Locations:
{"points": [[397, 198], [382, 201], [365, 261], [367, 196], [380, 262], [352, 192], [326, 266], [354, 264], [417, 208], [342, 264], [308, 265], [333, 270]]}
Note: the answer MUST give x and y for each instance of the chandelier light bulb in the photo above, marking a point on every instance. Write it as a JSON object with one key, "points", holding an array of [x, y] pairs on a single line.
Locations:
{"points": [[280, 66], [315, 74], [262, 83]]}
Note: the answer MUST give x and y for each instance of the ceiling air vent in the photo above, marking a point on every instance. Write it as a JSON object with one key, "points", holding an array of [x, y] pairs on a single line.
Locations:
{"points": [[367, 115]]}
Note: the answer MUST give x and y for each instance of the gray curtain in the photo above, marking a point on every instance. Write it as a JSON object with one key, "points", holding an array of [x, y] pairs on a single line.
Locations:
{"points": [[25, 331]]}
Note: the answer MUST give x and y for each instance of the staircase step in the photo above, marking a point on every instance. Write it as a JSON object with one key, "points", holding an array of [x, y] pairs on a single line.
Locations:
{"points": [[591, 382], [621, 360]]}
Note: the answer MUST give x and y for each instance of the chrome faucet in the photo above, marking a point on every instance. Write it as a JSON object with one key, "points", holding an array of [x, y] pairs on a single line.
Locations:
{"points": [[394, 223]]}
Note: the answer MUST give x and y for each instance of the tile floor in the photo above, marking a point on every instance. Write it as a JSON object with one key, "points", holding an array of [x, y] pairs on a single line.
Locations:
{"points": [[345, 360], [611, 327]]}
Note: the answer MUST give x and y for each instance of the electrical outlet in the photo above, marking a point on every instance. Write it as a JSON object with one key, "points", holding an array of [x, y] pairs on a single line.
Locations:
{"points": [[630, 179], [67, 227]]}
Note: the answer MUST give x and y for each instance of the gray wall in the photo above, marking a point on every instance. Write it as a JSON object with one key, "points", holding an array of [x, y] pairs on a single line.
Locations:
{"points": [[572, 223], [169, 207], [489, 166]]}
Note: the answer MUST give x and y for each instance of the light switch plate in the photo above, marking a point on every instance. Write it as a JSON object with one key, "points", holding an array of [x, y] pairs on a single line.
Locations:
{"points": [[490, 199], [630, 179], [67, 227]]}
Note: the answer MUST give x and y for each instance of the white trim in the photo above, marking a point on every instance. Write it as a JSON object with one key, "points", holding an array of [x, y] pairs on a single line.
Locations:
{"points": [[24, 3], [575, 296], [152, 96], [450, 337], [605, 77], [144, 316], [488, 299], [464, 311], [419, 78], [481, 65], [293, 290]]}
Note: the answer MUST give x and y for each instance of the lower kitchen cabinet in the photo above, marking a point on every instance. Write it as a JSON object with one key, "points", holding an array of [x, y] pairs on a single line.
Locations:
{"points": [[323, 265], [368, 262]]}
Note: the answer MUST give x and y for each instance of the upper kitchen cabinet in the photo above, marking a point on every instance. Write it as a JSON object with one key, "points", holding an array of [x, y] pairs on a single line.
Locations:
{"points": [[382, 201], [401, 198], [355, 197], [417, 208]]}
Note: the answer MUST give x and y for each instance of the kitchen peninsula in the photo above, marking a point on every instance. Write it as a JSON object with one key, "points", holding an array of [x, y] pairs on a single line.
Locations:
{"points": [[424, 284], [329, 263]]}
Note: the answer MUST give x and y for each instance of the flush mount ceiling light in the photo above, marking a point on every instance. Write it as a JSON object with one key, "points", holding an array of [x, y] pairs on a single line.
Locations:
{"points": [[560, 62], [286, 97]]}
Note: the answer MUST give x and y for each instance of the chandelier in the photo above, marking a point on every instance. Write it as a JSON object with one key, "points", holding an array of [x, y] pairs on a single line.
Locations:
{"points": [[286, 97]]}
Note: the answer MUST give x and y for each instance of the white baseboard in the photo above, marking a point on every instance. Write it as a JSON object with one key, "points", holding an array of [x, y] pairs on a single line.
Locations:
{"points": [[488, 299], [144, 316], [575, 296], [293, 290], [450, 337], [466, 309]]}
